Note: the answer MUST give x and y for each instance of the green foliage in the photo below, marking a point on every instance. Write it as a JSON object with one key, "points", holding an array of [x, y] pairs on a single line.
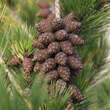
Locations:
{"points": [[53, 100], [21, 41], [101, 100], [38, 97], [16, 37], [10, 98], [78, 7]]}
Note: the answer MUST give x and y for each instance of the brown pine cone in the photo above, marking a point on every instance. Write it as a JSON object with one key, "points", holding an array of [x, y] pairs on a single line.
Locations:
{"points": [[61, 35], [53, 75], [53, 48], [76, 93], [57, 24], [74, 63], [42, 4], [38, 44], [68, 18], [67, 47], [45, 21], [46, 38], [64, 73], [37, 67], [43, 27], [69, 105], [50, 17], [48, 65], [41, 55], [72, 26], [15, 61], [43, 13], [60, 85], [76, 40], [27, 65], [61, 58]]}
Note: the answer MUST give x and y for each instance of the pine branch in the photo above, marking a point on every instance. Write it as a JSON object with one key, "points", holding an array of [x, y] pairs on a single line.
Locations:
{"points": [[12, 79], [57, 8]]}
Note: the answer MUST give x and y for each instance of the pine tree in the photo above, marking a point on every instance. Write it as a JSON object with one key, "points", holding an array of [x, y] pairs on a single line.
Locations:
{"points": [[58, 57]]}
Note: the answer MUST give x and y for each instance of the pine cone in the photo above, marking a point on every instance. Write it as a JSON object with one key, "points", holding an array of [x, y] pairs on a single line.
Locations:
{"points": [[27, 65], [61, 58], [50, 18], [68, 18], [60, 85], [38, 44], [46, 38], [43, 13], [67, 47], [42, 4], [45, 21], [72, 26], [41, 55], [76, 40], [43, 27], [76, 93], [53, 75], [53, 48], [57, 24], [69, 105], [64, 73], [37, 67], [61, 35], [15, 61], [48, 65], [74, 62]]}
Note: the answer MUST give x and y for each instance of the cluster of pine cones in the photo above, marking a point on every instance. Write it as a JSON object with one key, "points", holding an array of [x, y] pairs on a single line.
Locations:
{"points": [[57, 54]]}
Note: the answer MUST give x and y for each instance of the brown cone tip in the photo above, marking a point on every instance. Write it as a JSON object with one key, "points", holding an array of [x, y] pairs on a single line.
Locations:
{"points": [[61, 35], [53, 75], [43, 27], [41, 55], [46, 38], [43, 13], [15, 61], [72, 26], [68, 18], [61, 58], [27, 65], [67, 47], [48, 65], [76, 40], [50, 17], [74, 62], [76, 93], [38, 44], [57, 24], [64, 73], [53, 48], [37, 67], [42, 4], [61, 85]]}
